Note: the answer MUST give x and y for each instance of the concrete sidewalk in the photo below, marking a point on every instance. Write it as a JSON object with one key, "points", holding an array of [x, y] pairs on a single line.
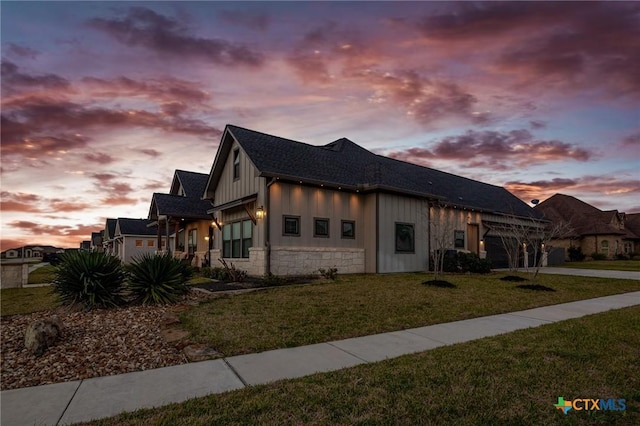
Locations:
{"points": [[100, 397], [602, 273]]}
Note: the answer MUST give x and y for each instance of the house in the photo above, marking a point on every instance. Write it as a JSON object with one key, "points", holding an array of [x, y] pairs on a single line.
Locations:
{"points": [[85, 245], [31, 251], [289, 208], [182, 214], [96, 241], [108, 235], [134, 237], [609, 232]]}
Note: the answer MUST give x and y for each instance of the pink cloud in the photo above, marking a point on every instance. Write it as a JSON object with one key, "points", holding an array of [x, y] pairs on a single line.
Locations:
{"points": [[164, 35]]}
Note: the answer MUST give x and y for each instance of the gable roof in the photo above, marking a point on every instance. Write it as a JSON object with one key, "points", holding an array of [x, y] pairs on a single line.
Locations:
{"points": [[186, 204], [110, 229], [176, 205], [128, 226], [192, 183], [584, 218], [344, 164]]}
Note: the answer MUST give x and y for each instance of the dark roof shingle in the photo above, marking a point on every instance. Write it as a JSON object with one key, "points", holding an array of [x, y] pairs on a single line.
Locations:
{"points": [[345, 163]]}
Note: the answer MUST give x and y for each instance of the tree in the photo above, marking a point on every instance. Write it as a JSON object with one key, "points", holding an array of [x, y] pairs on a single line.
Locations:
{"points": [[519, 234], [441, 227]]}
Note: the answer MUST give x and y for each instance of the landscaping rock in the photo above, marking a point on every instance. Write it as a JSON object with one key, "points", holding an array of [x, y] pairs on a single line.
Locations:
{"points": [[42, 334], [199, 352]]}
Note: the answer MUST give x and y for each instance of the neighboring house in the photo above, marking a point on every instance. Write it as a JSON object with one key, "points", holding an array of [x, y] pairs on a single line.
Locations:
{"points": [[30, 251], [134, 237], [85, 245], [96, 241], [182, 215], [593, 230], [287, 208], [108, 235]]}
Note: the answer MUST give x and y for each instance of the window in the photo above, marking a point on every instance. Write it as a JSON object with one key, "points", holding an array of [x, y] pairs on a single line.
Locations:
{"points": [[192, 241], [405, 238], [138, 243], [321, 228], [458, 239], [150, 243], [348, 229], [237, 239], [604, 247], [236, 164], [291, 226]]}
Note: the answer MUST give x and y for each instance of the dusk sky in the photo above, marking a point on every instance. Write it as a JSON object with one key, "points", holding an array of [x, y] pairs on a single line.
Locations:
{"points": [[102, 101]]}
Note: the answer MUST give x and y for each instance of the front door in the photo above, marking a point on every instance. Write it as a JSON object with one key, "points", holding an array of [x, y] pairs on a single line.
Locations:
{"points": [[473, 234]]}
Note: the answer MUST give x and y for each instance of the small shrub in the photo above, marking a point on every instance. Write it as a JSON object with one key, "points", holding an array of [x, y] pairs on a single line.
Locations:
{"points": [[598, 256], [466, 262], [331, 273], [235, 275], [157, 279], [575, 254], [621, 256], [91, 279], [219, 273], [270, 280]]}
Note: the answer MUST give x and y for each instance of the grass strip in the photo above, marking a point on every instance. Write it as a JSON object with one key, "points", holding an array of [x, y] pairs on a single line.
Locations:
{"points": [[511, 379], [358, 305]]}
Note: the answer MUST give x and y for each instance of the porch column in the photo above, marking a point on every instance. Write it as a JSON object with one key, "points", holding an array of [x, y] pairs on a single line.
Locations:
{"points": [[166, 236]]}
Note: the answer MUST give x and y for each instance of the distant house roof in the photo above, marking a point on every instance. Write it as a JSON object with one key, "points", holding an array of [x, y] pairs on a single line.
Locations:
{"points": [[96, 238], [632, 224], [129, 226], [187, 203], [343, 163], [192, 183], [177, 206], [110, 229], [583, 218]]}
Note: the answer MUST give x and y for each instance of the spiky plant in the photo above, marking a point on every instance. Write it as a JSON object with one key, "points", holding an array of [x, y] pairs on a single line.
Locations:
{"points": [[156, 279], [91, 279]]}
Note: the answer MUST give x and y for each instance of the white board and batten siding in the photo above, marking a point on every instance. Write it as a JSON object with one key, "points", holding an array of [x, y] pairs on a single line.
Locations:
{"points": [[230, 189], [394, 209]]}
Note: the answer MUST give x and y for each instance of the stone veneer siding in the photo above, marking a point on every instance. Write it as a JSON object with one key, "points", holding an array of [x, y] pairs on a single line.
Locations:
{"points": [[307, 260], [255, 265]]}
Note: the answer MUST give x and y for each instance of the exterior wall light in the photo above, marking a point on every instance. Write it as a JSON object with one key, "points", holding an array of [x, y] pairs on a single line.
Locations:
{"points": [[260, 213]]}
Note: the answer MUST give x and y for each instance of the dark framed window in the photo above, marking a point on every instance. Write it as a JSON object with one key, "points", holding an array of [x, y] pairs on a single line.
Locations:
{"points": [[236, 164], [291, 226], [458, 239], [321, 227], [348, 229], [237, 238], [405, 238]]}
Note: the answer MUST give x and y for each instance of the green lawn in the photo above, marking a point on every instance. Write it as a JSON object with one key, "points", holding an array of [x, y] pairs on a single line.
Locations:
{"points": [[511, 379], [358, 305], [42, 275], [619, 265], [26, 300]]}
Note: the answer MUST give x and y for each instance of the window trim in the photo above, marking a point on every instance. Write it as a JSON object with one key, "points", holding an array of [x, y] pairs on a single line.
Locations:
{"points": [[455, 232], [315, 221], [284, 227], [236, 164], [413, 238], [353, 224], [242, 239]]}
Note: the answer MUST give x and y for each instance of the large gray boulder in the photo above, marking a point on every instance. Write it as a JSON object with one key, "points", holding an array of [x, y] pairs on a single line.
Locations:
{"points": [[42, 334]]}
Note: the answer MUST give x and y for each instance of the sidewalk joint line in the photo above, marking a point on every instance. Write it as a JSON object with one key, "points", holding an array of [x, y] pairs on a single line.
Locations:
{"points": [[233, 370], [69, 403], [347, 352]]}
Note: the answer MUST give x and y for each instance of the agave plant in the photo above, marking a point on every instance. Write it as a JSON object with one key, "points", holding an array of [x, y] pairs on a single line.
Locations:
{"points": [[156, 279], [92, 279]]}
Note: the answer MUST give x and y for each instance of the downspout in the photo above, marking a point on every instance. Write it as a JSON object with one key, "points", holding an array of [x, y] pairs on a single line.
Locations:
{"points": [[377, 230], [267, 224], [428, 234], [166, 236]]}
